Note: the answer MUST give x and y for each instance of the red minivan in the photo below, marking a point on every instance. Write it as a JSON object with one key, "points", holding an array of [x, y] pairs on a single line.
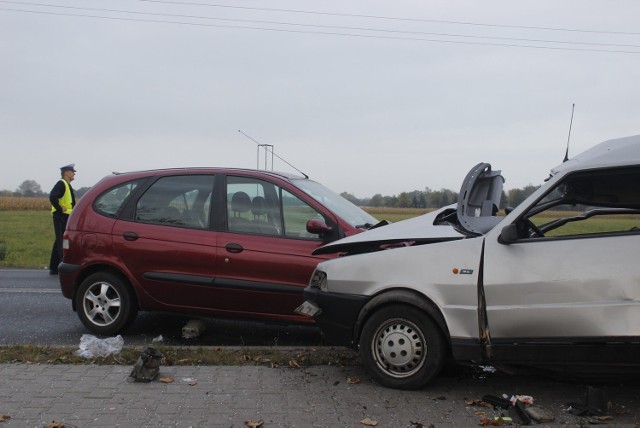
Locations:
{"points": [[199, 241]]}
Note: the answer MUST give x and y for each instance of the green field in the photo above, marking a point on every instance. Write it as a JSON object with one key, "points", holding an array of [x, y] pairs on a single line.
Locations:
{"points": [[26, 238]]}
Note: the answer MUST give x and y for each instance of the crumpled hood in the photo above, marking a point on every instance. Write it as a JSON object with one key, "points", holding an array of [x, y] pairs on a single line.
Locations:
{"points": [[417, 229]]}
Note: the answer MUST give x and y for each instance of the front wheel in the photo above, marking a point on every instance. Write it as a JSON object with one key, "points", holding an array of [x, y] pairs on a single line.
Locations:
{"points": [[402, 347], [105, 303]]}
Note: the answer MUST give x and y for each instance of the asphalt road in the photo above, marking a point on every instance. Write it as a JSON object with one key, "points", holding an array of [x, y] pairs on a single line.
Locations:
{"points": [[33, 311]]}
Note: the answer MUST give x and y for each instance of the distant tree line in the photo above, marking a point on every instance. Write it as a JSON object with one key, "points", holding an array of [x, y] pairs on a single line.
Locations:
{"points": [[429, 198], [426, 198], [31, 189]]}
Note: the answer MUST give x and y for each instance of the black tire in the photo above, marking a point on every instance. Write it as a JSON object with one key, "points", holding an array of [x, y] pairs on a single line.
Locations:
{"points": [[105, 303], [402, 347]]}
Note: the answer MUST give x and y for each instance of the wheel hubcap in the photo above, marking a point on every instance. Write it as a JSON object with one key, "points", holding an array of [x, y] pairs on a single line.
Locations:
{"points": [[102, 304], [399, 348]]}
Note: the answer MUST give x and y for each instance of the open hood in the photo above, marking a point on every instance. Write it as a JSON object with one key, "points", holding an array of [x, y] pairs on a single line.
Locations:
{"points": [[479, 199], [474, 214]]}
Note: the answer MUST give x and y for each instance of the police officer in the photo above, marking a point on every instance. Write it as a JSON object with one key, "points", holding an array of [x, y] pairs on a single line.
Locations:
{"points": [[62, 202]]}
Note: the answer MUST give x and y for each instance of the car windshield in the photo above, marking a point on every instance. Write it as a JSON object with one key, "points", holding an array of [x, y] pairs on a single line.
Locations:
{"points": [[349, 212]]}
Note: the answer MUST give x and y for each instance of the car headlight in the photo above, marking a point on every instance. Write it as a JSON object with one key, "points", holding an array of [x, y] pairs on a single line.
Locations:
{"points": [[319, 280]]}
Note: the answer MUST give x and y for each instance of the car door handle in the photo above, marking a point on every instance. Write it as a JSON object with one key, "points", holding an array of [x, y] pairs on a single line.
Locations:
{"points": [[234, 248], [130, 236]]}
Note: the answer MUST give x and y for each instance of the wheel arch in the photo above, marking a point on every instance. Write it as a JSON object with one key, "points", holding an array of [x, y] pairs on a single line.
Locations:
{"points": [[401, 295]]}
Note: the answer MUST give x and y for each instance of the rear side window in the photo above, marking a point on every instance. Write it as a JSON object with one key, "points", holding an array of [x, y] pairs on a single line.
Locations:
{"points": [[183, 201], [110, 203]]}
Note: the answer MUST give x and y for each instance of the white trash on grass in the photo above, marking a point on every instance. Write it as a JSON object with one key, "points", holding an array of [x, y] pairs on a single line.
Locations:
{"points": [[91, 346]]}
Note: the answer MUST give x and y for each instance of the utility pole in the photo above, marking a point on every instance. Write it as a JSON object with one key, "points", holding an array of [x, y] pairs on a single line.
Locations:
{"points": [[266, 149]]}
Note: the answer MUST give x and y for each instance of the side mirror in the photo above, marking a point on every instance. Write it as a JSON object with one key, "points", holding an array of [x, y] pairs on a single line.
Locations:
{"points": [[318, 226], [509, 234]]}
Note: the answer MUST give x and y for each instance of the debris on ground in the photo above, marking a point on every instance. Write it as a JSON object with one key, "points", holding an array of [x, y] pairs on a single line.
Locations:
{"points": [[4, 418], [369, 422], [193, 329], [256, 424], [147, 367], [498, 421], [91, 346], [520, 409], [594, 404], [538, 414]]}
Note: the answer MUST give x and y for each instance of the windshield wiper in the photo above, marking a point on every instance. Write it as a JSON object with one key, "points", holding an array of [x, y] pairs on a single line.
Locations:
{"points": [[370, 226]]}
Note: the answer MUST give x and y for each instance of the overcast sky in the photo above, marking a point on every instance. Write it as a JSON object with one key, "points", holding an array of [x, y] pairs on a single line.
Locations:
{"points": [[363, 96]]}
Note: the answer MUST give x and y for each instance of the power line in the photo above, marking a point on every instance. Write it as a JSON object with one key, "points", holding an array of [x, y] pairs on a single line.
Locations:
{"points": [[323, 32], [354, 15], [324, 26]]}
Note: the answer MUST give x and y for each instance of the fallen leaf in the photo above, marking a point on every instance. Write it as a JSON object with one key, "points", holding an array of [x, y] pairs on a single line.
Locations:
{"points": [[352, 380], [4, 418], [369, 422], [54, 424], [416, 424], [477, 403], [252, 424], [166, 379], [294, 364], [485, 421]]}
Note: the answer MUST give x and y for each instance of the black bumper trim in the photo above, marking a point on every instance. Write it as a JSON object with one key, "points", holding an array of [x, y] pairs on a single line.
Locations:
{"points": [[339, 315], [67, 268]]}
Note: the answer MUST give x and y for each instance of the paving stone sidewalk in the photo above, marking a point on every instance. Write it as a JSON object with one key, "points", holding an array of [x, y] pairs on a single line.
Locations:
{"points": [[39, 395]]}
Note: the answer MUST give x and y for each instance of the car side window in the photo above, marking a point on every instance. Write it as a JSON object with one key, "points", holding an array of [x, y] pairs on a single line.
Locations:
{"points": [[111, 202], [598, 202], [259, 207], [296, 215], [177, 201]]}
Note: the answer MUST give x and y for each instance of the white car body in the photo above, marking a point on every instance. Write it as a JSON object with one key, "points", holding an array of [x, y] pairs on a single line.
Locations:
{"points": [[539, 297]]}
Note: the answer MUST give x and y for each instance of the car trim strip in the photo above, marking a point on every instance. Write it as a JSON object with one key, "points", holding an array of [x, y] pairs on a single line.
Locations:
{"points": [[210, 281]]}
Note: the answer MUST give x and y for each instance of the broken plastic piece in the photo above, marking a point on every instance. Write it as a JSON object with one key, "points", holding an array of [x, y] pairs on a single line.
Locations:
{"points": [[518, 414], [594, 405], [538, 414], [496, 401]]}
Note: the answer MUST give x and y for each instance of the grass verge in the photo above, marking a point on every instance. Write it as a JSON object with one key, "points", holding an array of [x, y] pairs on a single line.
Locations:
{"points": [[184, 356]]}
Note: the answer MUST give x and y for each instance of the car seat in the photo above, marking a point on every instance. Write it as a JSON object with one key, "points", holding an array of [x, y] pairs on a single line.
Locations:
{"points": [[259, 225], [240, 204]]}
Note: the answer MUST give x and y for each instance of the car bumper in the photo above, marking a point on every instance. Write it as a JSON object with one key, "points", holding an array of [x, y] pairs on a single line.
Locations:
{"points": [[67, 274], [338, 315]]}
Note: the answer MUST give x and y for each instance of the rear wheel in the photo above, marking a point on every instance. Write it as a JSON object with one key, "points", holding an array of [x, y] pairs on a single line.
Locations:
{"points": [[402, 347], [105, 303]]}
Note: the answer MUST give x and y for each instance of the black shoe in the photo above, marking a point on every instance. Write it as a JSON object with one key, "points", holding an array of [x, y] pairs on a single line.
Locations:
{"points": [[53, 272]]}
